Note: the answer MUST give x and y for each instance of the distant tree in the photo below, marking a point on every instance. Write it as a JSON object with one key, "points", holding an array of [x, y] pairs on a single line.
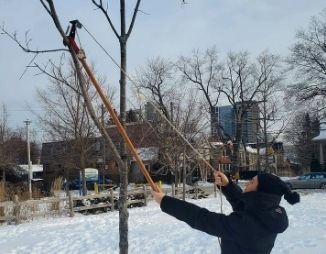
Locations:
{"points": [[158, 81], [13, 144], [13, 148], [17, 147], [308, 61], [300, 133], [269, 97], [5, 134], [5, 155], [242, 80], [65, 118], [202, 70]]}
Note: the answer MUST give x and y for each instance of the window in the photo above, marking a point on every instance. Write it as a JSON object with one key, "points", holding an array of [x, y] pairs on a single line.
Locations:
{"points": [[320, 176], [304, 177]]}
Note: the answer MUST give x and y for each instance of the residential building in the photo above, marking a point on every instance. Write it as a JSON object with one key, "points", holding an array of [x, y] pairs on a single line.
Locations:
{"points": [[321, 148], [61, 158]]}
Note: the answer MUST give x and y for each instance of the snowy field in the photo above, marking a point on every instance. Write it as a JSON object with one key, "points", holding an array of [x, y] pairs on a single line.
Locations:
{"points": [[152, 231]]}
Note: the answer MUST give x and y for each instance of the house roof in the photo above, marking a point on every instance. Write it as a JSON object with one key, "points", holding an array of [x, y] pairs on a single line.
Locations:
{"points": [[322, 134], [262, 151]]}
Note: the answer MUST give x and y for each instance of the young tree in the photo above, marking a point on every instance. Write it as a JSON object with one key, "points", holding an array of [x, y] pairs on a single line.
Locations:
{"points": [[49, 7], [123, 37]]}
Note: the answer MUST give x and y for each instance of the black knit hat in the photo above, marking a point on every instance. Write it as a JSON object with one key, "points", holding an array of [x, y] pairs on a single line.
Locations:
{"points": [[272, 184]]}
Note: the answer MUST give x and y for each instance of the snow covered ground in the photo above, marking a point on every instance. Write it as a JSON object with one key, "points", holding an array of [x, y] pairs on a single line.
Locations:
{"points": [[152, 231]]}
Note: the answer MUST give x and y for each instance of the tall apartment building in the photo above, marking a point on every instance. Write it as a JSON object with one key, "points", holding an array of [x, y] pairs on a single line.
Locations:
{"points": [[226, 118], [150, 113]]}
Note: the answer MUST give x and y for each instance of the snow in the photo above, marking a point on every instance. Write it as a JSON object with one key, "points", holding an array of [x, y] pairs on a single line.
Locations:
{"points": [[262, 151], [152, 231], [35, 167]]}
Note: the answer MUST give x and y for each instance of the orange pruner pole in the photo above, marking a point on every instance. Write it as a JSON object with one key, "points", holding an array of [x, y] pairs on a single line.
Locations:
{"points": [[108, 105]]}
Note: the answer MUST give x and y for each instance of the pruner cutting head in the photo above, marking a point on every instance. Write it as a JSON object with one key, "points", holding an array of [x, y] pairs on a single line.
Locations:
{"points": [[71, 36], [74, 24]]}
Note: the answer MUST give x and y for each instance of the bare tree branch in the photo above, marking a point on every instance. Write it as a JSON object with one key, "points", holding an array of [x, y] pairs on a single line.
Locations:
{"points": [[100, 6], [133, 18], [26, 48]]}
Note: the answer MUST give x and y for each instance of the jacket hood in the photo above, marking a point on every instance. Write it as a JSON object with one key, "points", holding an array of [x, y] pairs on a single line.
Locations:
{"points": [[265, 207]]}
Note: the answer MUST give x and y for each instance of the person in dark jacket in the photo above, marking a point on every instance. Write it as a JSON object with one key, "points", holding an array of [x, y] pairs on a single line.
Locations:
{"points": [[256, 219]]}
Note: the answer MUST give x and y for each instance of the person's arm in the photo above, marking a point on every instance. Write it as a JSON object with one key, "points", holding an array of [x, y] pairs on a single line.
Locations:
{"points": [[233, 194], [200, 218], [231, 191]]}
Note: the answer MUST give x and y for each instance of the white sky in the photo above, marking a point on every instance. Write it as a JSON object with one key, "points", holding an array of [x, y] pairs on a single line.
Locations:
{"points": [[169, 30]]}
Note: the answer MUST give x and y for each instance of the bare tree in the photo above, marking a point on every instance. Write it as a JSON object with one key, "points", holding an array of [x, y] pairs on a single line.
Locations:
{"points": [[4, 128], [5, 133], [241, 82], [300, 131], [122, 37], [156, 80], [13, 148], [202, 69], [308, 61], [158, 83], [179, 106], [269, 98], [65, 118]]}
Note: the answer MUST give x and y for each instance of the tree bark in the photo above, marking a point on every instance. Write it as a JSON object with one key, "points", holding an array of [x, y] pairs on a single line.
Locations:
{"points": [[123, 209]]}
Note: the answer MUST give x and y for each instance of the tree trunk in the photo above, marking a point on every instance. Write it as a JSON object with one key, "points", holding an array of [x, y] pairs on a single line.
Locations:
{"points": [[184, 175], [214, 125], [238, 135], [82, 167], [266, 168], [3, 184], [123, 209]]}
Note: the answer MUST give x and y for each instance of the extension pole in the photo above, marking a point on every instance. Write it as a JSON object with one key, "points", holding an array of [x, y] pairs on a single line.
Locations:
{"points": [[116, 120]]}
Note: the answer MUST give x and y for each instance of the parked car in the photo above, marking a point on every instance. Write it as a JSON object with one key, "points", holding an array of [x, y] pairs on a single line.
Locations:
{"points": [[76, 184], [315, 180]]}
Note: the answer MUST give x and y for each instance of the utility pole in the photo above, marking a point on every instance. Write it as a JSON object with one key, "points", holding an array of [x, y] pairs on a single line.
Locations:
{"points": [[30, 175]]}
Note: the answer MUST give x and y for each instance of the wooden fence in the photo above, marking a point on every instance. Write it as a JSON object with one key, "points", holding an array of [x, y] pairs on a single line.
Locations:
{"points": [[17, 211]]}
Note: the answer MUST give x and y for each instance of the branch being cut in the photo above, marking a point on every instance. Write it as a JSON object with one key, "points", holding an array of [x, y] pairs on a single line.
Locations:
{"points": [[26, 48]]}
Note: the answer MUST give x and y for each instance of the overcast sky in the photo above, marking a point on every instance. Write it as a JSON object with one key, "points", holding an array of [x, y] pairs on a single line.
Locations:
{"points": [[167, 29]]}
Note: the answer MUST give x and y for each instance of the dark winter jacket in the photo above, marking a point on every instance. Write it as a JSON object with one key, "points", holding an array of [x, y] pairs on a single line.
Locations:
{"points": [[251, 228]]}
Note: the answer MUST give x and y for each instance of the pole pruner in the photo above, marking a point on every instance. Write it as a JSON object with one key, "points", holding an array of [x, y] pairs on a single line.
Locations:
{"points": [[81, 57]]}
